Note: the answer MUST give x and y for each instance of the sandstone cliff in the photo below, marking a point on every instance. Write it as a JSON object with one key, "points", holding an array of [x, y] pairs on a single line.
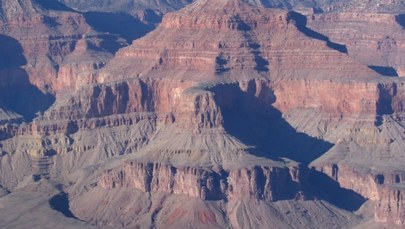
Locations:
{"points": [[262, 183], [382, 48], [211, 119]]}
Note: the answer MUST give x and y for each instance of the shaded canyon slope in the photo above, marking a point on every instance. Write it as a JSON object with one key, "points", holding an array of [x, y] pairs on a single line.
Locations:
{"points": [[221, 114]]}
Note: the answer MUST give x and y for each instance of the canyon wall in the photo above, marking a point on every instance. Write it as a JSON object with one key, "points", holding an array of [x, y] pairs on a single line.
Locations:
{"points": [[385, 189], [360, 98], [259, 182], [390, 206], [201, 107], [375, 39]]}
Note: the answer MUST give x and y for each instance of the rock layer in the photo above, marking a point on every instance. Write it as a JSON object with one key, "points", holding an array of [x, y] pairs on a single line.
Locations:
{"points": [[386, 189], [259, 182], [380, 48], [224, 106]]}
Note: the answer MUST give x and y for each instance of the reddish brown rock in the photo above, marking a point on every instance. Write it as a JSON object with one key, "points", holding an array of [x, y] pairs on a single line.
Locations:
{"points": [[261, 183], [386, 189], [390, 205], [52, 44], [373, 39], [218, 101], [360, 98]]}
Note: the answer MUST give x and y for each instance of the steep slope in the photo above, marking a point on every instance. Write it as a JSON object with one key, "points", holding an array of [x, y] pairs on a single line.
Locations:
{"points": [[227, 115], [189, 73], [380, 48], [47, 49], [47, 37]]}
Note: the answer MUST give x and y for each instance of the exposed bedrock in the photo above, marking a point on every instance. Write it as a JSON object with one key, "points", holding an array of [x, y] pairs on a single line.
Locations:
{"points": [[45, 53], [195, 105], [62, 47], [383, 46], [361, 182], [206, 108], [390, 206], [269, 184], [385, 189], [17, 94], [359, 98], [258, 182]]}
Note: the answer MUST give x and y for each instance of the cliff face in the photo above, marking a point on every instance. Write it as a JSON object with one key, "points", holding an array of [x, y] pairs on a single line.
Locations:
{"points": [[194, 109], [385, 189], [361, 98], [244, 45], [390, 206], [381, 48], [201, 107], [223, 106], [261, 183], [362, 182], [53, 38]]}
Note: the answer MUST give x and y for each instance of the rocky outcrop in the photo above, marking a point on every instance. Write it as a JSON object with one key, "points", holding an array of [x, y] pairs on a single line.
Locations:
{"points": [[244, 46], [194, 108], [375, 39], [172, 49], [361, 98], [52, 36], [201, 109], [258, 182], [73, 74], [390, 207], [385, 189], [390, 203], [362, 182], [49, 128]]}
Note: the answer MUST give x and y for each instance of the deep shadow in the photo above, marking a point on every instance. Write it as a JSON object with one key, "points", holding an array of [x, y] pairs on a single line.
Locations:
{"points": [[60, 203], [255, 122], [301, 24], [221, 64], [108, 42], [323, 187], [50, 21], [385, 71], [17, 94], [125, 25], [240, 24], [249, 116], [262, 65], [7, 131], [379, 120], [379, 179], [400, 18], [11, 53], [36, 177], [384, 102], [54, 5], [152, 17]]}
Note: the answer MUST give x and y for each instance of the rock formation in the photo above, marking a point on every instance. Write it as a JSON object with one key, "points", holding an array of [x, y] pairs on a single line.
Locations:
{"points": [[229, 114], [262, 183]]}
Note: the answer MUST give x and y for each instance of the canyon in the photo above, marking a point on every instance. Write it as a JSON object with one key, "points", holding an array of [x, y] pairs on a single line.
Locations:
{"points": [[202, 114]]}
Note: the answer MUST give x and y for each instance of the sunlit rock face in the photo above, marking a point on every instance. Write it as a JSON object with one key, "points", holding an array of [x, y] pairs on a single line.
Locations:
{"points": [[214, 113]]}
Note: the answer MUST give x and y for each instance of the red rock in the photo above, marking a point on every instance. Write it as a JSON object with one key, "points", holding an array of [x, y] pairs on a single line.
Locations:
{"points": [[152, 124]]}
